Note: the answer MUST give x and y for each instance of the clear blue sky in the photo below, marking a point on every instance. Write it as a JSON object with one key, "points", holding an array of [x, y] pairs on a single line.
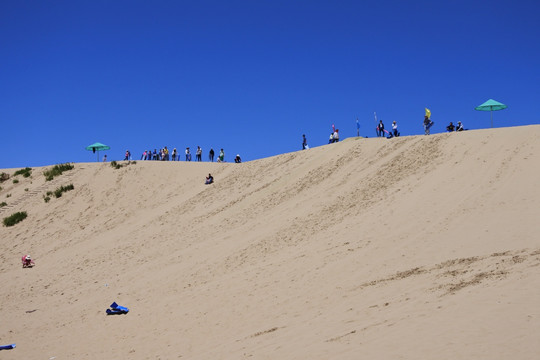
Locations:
{"points": [[253, 76]]}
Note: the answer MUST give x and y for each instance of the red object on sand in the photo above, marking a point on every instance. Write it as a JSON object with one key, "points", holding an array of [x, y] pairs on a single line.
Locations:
{"points": [[27, 261]]}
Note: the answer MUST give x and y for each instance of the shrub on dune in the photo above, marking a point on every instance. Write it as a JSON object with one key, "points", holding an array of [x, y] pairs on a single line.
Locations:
{"points": [[15, 218], [26, 172], [56, 171]]}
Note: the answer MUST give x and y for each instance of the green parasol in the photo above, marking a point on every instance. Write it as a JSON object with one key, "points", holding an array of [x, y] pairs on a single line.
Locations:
{"points": [[96, 147], [491, 105]]}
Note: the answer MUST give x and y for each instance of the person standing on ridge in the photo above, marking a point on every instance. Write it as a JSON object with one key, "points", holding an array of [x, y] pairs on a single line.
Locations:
{"points": [[221, 157], [198, 154], [211, 155], [381, 128], [427, 124], [304, 142], [427, 121]]}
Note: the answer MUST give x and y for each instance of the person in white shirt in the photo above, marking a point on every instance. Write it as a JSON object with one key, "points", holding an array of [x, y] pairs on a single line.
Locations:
{"points": [[394, 129]]}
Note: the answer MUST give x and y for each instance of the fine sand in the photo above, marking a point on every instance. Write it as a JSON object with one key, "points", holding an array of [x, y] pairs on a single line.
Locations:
{"points": [[421, 247]]}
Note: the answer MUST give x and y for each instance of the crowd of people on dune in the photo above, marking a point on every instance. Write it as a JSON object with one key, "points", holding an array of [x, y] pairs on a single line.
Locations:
{"points": [[394, 132], [165, 155]]}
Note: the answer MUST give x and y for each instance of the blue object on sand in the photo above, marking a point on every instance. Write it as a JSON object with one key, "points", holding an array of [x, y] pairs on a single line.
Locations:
{"points": [[115, 306], [117, 309], [114, 312], [7, 347]]}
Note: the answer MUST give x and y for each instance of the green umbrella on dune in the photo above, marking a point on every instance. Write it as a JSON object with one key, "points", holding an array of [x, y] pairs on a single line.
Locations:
{"points": [[96, 147], [491, 105]]}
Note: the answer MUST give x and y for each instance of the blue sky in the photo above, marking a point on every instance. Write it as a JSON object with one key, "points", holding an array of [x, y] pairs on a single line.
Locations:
{"points": [[253, 76]]}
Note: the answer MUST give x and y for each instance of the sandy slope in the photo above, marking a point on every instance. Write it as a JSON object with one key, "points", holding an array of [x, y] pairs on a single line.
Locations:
{"points": [[415, 248]]}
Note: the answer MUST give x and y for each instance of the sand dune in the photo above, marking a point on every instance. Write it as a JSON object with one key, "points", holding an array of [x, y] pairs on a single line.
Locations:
{"points": [[422, 247]]}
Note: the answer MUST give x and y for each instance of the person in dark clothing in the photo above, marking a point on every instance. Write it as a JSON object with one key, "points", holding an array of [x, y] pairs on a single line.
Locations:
{"points": [[450, 127], [211, 155], [380, 127], [304, 142], [209, 179], [459, 126]]}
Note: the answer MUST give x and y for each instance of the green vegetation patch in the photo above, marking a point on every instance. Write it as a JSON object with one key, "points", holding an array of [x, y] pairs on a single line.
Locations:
{"points": [[58, 192], [62, 189], [117, 166], [56, 171], [15, 218], [26, 172], [15, 181], [3, 203]]}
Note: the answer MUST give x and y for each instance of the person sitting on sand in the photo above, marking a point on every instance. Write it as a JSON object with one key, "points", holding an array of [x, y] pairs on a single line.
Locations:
{"points": [[459, 126], [27, 261], [336, 135], [209, 179], [450, 127], [237, 159]]}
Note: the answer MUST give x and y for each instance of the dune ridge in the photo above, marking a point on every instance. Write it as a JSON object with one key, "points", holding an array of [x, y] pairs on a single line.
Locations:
{"points": [[413, 247]]}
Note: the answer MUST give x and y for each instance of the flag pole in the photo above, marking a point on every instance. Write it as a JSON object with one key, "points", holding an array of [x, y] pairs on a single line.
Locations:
{"points": [[376, 124]]}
